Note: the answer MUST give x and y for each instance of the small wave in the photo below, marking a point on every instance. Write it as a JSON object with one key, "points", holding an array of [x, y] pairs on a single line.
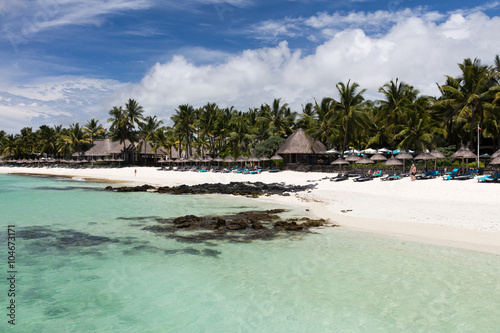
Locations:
{"points": [[79, 179]]}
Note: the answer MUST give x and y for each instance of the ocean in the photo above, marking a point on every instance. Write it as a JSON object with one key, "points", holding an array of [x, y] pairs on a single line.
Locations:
{"points": [[84, 263]]}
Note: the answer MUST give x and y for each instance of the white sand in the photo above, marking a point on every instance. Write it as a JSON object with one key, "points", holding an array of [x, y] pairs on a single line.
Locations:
{"points": [[463, 214]]}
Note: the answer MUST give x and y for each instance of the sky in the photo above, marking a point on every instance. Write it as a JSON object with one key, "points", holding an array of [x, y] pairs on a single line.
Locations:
{"points": [[68, 61]]}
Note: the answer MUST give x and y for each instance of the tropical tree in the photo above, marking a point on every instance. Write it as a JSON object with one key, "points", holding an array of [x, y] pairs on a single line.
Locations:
{"points": [[76, 138], [94, 130], [469, 94], [278, 119], [349, 109], [184, 120], [147, 131]]}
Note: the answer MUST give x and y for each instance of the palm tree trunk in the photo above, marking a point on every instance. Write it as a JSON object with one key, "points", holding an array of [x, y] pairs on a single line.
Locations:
{"points": [[345, 137]]}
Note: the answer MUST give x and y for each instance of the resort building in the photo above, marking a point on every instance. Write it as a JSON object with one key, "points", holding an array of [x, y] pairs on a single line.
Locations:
{"points": [[301, 149]]}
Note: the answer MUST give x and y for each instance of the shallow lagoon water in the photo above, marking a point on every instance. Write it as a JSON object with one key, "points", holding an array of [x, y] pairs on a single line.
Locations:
{"points": [[86, 265]]}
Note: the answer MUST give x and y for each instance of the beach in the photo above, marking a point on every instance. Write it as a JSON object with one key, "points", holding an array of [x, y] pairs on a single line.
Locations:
{"points": [[462, 214]]}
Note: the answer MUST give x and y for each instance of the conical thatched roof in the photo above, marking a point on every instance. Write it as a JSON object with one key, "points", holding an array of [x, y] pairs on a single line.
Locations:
{"points": [[463, 153], [495, 161], [339, 161], [378, 157], [393, 161], [300, 143], [353, 158], [496, 154], [276, 157], [425, 156], [364, 160], [403, 155], [436, 153]]}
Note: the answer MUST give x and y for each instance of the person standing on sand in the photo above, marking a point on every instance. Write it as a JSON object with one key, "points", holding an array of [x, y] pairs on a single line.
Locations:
{"points": [[413, 172], [135, 172]]}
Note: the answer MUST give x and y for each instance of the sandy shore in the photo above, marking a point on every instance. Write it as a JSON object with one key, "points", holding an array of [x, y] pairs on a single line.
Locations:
{"points": [[464, 214]]}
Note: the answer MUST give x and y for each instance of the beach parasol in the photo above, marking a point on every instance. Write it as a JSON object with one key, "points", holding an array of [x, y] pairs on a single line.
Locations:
{"points": [[496, 154], [464, 153], [495, 161], [369, 151], [425, 157], [352, 158], [393, 162], [403, 155], [339, 161], [485, 156], [384, 150], [365, 160], [437, 154], [229, 159], [378, 157], [276, 158]]}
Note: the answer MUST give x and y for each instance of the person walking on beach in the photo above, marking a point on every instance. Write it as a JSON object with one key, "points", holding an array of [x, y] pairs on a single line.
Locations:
{"points": [[135, 172], [413, 172]]}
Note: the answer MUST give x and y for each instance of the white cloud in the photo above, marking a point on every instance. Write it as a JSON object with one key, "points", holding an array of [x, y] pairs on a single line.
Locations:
{"points": [[55, 100], [419, 49], [415, 50]]}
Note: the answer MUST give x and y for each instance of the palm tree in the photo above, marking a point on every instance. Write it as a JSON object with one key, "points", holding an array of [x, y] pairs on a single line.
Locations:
{"points": [[278, 119], [134, 116], [10, 146], [76, 138], [94, 130], [349, 108], [398, 97], [120, 128], [184, 125], [417, 129], [469, 93], [147, 131]]}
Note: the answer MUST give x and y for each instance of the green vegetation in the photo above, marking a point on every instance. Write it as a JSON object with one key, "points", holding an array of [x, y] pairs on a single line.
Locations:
{"points": [[401, 118]]}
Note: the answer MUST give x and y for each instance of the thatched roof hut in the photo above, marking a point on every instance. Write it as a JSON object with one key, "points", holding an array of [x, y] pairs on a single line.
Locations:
{"points": [[301, 148]]}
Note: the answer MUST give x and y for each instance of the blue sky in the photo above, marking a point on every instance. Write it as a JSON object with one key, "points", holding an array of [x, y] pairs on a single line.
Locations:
{"points": [[66, 61]]}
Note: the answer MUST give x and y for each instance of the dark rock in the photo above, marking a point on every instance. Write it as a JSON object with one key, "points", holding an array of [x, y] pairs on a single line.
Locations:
{"points": [[237, 224], [288, 226]]}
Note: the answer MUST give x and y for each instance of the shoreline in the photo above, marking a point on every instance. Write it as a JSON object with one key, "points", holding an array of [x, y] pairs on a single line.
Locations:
{"points": [[453, 214]]}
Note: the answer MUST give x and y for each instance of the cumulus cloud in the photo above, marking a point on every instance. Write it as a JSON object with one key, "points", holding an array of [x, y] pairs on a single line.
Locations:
{"points": [[416, 50], [54, 101]]}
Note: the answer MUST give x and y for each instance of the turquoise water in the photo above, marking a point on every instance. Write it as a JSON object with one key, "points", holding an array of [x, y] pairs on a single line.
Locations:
{"points": [[72, 279]]}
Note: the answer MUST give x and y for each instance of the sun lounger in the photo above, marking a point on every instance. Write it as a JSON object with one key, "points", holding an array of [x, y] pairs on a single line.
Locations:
{"points": [[340, 177], [377, 174], [396, 176], [429, 175], [494, 178], [254, 172], [363, 178], [274, 170]]}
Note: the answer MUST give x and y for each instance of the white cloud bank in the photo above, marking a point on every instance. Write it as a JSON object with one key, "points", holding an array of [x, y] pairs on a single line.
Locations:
{"points": [[417, 50]]}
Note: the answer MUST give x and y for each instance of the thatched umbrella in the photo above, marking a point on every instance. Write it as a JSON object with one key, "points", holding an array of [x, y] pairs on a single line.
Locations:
{"points": [[403, 155], [352, 158], [378, 158], [339, 161], [365, 160], [495, 161], [218, 159], [276, 158], [425, 157], [393, 162], [229, 158], [464, 153], [437, 154], [496, 154]]}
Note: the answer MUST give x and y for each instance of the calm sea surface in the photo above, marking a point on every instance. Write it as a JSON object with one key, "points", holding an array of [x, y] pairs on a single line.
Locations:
{"points": [[84, 264]]}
